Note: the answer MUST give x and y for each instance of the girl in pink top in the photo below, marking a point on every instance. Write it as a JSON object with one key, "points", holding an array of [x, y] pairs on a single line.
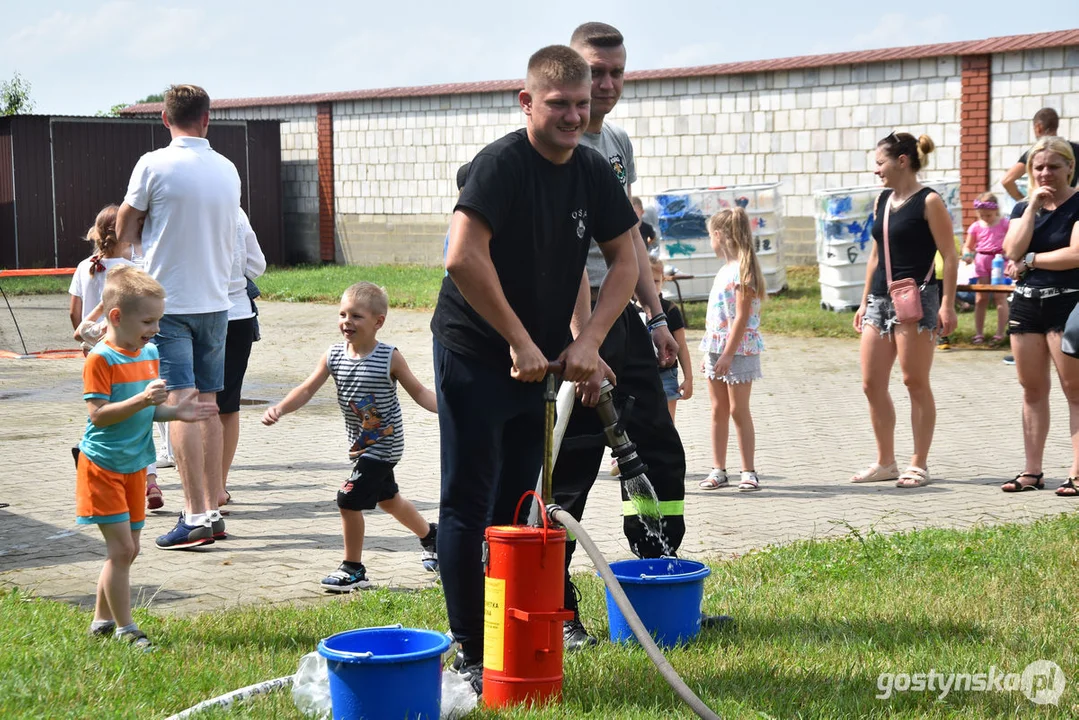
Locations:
{"points": [[985, 240]]}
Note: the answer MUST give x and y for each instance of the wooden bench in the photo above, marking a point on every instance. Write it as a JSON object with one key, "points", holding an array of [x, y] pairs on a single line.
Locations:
{"points": [[1002, 289]]}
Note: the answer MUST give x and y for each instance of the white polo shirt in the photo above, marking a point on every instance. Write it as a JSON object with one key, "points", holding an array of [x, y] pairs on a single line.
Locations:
{"points": [[190, 194]]}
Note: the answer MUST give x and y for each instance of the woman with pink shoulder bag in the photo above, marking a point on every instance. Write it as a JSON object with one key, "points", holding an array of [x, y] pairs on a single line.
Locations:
{"points": [[903, 308]]}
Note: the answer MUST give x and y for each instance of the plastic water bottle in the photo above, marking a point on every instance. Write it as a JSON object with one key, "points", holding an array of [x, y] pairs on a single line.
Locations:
{"points": [[997, 277]]}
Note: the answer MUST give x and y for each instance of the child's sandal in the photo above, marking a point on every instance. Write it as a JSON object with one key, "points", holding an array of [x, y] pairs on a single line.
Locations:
{"points": [[154, 499], [750, 481], [715, 480], [104, 631], [978, 339], [136, 638]]}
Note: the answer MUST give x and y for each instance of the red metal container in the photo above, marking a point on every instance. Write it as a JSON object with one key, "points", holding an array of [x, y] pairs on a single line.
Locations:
{"points": [[523, 614]]}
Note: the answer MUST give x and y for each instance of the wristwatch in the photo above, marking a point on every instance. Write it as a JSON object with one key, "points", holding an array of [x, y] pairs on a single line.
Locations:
{"points": [[1029, 259]]}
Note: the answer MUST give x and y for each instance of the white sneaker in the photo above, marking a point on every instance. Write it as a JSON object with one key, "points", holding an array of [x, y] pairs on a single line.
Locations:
{"points": [[164, 460]]}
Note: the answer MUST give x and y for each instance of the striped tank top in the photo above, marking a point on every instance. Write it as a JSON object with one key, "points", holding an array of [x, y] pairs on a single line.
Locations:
{"points": [[367, 395]]}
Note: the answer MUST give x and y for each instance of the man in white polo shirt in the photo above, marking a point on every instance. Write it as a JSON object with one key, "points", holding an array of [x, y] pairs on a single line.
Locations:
{"points": [[189, 196]]}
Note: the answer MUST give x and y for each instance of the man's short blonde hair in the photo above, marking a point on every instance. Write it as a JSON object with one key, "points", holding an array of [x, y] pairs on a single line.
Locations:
{"points": [[557, 65], [370, 296], [125, 286]]}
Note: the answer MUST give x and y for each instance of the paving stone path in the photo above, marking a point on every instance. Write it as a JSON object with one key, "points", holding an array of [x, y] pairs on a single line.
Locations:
{"points": [[812, 433]]}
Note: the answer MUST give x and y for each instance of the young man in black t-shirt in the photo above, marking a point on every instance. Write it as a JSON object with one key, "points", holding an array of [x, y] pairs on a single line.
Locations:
{"points": [[518, 240]]}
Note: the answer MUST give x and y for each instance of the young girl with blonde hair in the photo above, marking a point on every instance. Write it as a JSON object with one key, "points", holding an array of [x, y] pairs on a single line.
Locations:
{"points": [[732, 344], [985, 240]]}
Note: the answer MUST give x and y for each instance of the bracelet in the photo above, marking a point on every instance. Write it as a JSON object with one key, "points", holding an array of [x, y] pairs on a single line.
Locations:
{"points": [[659, 317], [653, 326]]}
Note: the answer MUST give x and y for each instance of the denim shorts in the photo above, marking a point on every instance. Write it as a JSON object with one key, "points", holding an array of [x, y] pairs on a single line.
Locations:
{"points": [[669, 376], [192, 350], [880, 312]]}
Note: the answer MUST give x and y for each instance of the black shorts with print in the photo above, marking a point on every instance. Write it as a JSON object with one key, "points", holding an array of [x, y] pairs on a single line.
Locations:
{"points": [[1040, 315], [371, 482]]}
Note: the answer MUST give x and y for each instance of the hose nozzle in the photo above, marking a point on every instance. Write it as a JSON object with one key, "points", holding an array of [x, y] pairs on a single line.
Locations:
{"points": [[624, 451]]}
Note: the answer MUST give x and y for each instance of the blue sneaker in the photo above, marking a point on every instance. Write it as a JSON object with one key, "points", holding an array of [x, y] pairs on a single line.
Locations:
{"points": [[345, 579], [185, 536]]}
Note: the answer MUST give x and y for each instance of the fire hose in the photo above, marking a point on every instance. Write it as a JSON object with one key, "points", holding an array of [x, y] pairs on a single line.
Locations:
{"points": [[629, 463], [639, 630], [558, 408]]}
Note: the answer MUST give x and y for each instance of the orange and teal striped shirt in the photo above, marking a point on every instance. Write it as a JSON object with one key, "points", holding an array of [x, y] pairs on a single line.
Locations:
{"points": [[114, 374]]}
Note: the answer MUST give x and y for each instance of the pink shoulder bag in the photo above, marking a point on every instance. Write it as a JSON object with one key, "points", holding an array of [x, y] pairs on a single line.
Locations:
{"points": [[906, 295]]}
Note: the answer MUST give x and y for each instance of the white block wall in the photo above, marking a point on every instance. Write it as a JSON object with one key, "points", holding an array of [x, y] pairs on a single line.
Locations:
{"points": [[401, 156], [1022, 84], [299, 151], [808, 129]]}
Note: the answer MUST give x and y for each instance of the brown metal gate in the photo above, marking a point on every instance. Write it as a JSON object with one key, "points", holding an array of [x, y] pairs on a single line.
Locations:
{"points": [[57, 173]]}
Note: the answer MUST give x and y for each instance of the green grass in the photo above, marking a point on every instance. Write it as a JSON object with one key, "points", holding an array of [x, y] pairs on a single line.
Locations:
{"points": [[40, 285], [796, 312], [409, 286], [818, 621]]}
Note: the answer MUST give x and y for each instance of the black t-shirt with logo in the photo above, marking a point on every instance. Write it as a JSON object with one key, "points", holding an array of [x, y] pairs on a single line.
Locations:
{"points": [[1052, 231], [542, 217]]}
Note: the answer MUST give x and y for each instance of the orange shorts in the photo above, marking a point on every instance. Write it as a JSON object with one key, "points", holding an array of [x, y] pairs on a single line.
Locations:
{"points": [[103, 496]]}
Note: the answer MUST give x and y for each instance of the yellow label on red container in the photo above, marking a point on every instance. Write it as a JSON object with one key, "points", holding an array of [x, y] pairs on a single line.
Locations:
{"points": [[494, 623]]}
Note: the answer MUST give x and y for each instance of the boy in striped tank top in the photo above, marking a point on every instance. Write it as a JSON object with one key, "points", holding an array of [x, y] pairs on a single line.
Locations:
{"points": [[366, 372]]}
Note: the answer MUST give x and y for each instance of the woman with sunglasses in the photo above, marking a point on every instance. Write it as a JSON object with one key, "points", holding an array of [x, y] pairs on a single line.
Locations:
{"points": [[1043, 242], [918, 227]]}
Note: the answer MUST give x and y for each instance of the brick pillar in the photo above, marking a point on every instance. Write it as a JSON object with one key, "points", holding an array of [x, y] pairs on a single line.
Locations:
{"points": [[325, 183], [974, 129]]}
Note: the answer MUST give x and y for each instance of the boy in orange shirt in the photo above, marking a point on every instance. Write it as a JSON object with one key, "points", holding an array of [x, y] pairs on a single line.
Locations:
{"points": [[124, 395]]}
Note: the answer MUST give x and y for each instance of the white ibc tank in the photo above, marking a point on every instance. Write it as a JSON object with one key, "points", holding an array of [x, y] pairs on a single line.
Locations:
{"points": [[844, 238], [683, 216]]}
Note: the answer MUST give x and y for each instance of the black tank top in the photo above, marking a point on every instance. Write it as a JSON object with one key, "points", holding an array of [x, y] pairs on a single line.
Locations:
{"points": [[912, 245]]}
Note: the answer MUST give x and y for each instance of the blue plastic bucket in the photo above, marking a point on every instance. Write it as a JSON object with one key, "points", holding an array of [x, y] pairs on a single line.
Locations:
{"points": [[385, 673], [666, 593]]}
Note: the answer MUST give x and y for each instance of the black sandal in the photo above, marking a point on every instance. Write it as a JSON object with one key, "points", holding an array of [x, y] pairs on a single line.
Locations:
{"points": [[1069, 484], [1014, 485]]}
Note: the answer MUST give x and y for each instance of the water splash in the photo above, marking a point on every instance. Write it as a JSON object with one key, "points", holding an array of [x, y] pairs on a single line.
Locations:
{"points": [[643, 496]]}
